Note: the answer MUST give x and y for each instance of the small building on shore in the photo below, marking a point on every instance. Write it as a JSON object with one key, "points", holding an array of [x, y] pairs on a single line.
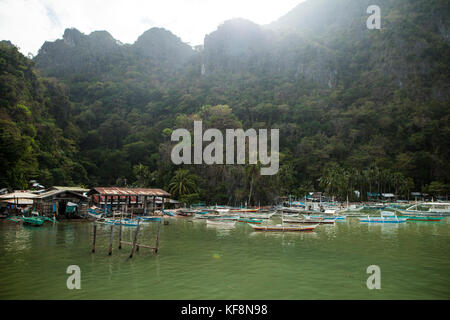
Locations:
{"points": [[133, 200], [62, 203], [16, 202]]}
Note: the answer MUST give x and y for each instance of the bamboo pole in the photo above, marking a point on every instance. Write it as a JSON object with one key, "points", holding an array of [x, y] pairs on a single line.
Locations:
{"points": [[120, 232], [135, 239], [95, 236], [157, 237], [111, 240]]}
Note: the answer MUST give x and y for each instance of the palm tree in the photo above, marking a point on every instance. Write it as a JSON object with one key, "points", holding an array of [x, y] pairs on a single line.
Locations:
{"points": [[182, 183]]}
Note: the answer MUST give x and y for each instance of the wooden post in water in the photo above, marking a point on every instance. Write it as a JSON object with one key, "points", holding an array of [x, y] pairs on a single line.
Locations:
{"points": [[111, 240], [95, 236], [157, 237], [135, 238], [120, 233]]}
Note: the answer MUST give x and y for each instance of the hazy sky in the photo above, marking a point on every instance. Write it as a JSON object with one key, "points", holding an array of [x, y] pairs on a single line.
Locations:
{"points": [[28, 23]]}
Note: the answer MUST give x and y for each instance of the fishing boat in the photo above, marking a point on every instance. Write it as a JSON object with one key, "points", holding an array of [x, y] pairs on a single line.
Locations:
{"points": [[186, 213], [308, 220], [149, 218], [427, 209], [224, 223], [282, 228], [257, 215], [217, 216], [32, 221], [221, 209], [385, 217], [250, 220], [124, 222], [168, 213], [423, 218], [328, 217]]}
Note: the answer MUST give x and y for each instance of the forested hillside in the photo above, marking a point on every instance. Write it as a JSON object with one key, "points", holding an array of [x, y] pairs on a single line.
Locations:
{"points": [[37, 138], [357, 109]]}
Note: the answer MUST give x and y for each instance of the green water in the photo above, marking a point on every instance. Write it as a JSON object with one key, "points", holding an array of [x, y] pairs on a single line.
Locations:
{"points": [[197, 261]]}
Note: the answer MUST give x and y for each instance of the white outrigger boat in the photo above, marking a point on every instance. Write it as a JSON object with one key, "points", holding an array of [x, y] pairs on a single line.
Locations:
{"points": [[223, 223], [385, 217], [427, 209], [282, 227], [257, 215]]}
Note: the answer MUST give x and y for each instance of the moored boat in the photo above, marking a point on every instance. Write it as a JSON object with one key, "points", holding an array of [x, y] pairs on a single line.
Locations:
{"points": [[33, 221], [427, 209], [385, 217], [222, 223], [186, 213], [306, 220], [124, 222], [168, 213], [257, 215], [282, 228], [149, 218], [423, 218], [250, 220]]}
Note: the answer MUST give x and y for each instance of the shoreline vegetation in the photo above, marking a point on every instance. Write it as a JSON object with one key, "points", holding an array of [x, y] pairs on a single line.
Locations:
{"points": [[357, 109]]}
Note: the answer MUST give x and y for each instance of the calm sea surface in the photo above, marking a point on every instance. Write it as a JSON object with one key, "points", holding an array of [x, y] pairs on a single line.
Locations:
{"points": [[197, 261]]}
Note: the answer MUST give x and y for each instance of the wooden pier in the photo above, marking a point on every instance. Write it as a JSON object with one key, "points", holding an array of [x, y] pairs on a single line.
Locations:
{"points": [[135, 245]]}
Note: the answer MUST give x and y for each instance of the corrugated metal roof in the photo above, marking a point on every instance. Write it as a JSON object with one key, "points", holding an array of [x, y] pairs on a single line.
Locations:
{"points": [[76, 189], [114, 191], [56, 192], [18, 195], [18, 201]]}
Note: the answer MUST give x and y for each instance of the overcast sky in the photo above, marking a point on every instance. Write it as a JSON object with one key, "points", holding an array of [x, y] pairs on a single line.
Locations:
{"points": [[28, 23]]}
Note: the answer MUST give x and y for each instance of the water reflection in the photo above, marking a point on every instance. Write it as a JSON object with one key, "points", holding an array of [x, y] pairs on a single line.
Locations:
{"points": [[210, 262]]}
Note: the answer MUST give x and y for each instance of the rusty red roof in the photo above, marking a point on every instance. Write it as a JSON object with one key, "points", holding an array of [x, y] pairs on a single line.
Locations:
{"points": [[114, 191]]}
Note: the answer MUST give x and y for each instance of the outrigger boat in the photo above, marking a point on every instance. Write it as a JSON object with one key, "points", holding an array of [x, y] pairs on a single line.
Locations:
{"points": [[257, 215], [228, 223], [427, 209], [306, 220], [217, 216], [149, 218], [386, 217], [168, 213], [329, 217], [186, 213], [250, 220], [423, 218], [282, 228], [124, 222], [35, 221]]}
